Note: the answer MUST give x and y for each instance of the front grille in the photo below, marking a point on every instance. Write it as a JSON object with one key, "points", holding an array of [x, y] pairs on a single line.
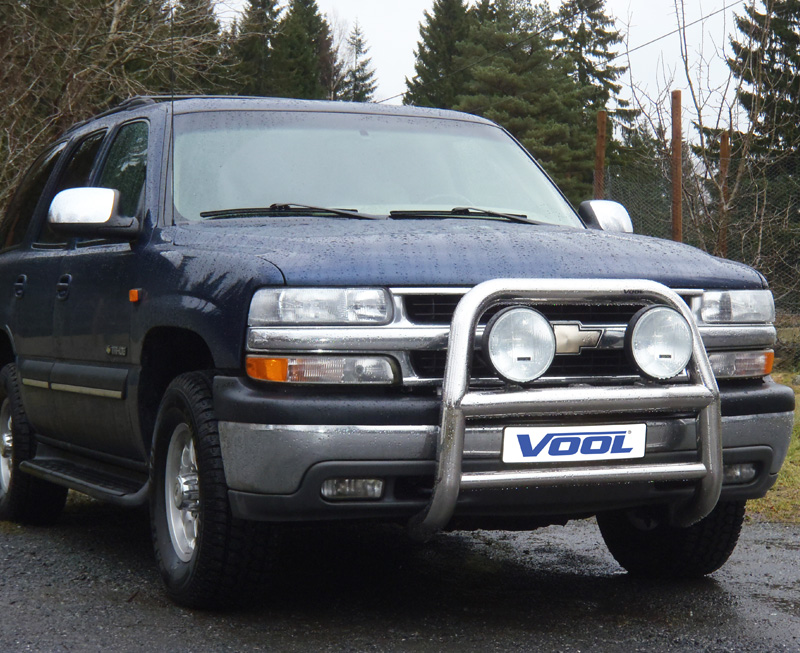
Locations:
{"points": [[439, 309], [436, 309], [592, 362]]}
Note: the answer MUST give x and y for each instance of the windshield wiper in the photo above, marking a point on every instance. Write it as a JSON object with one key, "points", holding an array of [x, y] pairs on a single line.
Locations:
{"points": [[467, 211], [288, 208]]}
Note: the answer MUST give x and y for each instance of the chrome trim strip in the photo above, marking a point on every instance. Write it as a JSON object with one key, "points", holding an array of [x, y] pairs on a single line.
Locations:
{"points": [[429, 291], [319, 339], [738, 336], [82, 390], [35, 383], [458, 403]]}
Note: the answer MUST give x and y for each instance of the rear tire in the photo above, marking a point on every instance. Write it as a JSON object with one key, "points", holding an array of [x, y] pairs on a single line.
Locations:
{"points": [[644, 543], [206, 556], [23, 498]]}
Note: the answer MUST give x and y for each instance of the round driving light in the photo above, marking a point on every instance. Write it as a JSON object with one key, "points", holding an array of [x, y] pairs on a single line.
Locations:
{"points": [[660, 341], [520, 344]]}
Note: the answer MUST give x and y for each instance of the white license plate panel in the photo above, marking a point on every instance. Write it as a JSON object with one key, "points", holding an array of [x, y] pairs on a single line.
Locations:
{"points": [[547, 444]]}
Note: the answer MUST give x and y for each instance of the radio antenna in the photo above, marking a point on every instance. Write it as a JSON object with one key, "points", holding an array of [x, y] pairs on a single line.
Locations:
{"points": [[171, 157]]}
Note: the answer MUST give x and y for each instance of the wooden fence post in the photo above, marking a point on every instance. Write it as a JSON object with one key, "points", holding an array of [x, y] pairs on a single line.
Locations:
{"points": [[724, 167], [677, 174]]}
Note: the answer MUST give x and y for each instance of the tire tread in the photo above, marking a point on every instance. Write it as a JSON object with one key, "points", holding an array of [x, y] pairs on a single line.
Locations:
{"points": [[232, 562], [670, 552]]}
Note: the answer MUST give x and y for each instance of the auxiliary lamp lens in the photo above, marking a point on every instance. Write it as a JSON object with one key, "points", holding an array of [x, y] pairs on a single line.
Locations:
{"points": [[660, 342], [520, 344]]}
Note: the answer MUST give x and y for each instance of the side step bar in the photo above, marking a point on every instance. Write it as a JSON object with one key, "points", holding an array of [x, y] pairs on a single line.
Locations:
{"points": [[103, 485]]}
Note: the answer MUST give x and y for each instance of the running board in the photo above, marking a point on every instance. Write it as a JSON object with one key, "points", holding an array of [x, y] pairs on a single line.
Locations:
{"points": [[103, 485]]}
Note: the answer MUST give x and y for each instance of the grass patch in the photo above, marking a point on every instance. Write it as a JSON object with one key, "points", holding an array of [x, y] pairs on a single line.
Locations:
{"points": [[782, 502]]}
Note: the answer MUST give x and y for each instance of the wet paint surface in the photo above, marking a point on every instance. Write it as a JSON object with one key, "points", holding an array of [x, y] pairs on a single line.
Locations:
{"points": [[462, 252], [89, 584]]}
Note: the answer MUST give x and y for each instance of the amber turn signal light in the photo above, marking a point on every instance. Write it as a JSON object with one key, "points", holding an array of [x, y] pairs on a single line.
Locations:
{"points": [[268, 369]]}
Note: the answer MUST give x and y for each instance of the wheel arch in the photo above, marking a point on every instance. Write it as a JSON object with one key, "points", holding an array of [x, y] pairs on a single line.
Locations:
{"points": [[167, 352], [7, 351]]}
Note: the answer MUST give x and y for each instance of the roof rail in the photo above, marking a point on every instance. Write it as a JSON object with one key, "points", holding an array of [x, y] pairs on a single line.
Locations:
{"points": [[127, 104], [143, 100]]}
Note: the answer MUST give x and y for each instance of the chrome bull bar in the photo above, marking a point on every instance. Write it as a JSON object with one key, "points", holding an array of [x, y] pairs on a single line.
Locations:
{"points": [[699, 394]]}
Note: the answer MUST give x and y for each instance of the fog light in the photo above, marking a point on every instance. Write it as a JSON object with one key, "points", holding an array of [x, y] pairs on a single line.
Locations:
{"points": [[352, 488], [738, 474], [659, 340], [520, 343]]}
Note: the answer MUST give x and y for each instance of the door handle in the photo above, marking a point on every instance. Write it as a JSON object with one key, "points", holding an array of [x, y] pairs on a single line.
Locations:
{"points": [[19, 285], [62, 287]]}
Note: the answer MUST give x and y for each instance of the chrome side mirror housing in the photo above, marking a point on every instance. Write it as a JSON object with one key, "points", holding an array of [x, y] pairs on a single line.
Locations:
{"points": [[90, 212], [606, 216]]}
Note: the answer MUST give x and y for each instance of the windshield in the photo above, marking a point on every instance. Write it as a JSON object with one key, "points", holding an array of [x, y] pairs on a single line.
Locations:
{"points": [[376, 164]]}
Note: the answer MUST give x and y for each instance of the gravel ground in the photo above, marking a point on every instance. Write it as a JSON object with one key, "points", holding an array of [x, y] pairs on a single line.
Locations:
{"points": [[89, 584]]}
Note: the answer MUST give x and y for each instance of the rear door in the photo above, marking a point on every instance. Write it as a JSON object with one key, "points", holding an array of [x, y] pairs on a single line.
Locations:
{"points": [[28, 278]]}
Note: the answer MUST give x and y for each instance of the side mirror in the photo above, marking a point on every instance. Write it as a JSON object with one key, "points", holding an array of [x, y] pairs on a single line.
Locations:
{"points": [[606, 216], [90, 212]]}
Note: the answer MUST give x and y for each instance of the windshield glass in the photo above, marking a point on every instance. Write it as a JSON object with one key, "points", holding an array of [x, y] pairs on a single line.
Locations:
{"points": [[367, 163]]}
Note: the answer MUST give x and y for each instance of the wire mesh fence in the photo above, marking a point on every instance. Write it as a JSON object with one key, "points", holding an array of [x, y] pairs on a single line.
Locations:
{"points": [[758, 225]]}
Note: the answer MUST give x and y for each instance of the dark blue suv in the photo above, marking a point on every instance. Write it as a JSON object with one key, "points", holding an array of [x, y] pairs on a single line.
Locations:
{"points": [[247, 311]]}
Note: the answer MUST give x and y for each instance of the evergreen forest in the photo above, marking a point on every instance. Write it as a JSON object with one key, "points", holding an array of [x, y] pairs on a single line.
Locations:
{"points": [[541, 70]]}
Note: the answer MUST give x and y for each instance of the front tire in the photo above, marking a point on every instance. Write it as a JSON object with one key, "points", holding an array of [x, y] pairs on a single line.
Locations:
{"points": [[206, 556], [645, 544], [23, 498]]}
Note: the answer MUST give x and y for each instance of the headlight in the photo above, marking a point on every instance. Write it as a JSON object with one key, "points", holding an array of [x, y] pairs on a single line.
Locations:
{"points": [[320, 306], [520, 343], [660, 341], [737, 306]]}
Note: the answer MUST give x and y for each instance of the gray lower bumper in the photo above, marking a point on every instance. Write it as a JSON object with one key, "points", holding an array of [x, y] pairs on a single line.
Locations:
{"points": [[274, 459]]}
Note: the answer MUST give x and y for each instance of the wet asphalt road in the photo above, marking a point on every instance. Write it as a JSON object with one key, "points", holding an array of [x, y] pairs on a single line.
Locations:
{"points": [[89, 584]]}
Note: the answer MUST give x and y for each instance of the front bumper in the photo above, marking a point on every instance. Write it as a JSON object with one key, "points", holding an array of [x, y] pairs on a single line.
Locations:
{"points": [[275, 470]]}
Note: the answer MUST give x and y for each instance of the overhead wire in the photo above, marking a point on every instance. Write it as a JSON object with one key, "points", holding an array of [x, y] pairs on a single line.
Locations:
{"points": [[554, 24], [492, 55]]}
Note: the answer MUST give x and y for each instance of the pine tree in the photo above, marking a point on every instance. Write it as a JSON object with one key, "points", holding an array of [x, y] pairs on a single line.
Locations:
{"points": [[587, 36], [359, 83], [520, 85], [767, 62], [252, 49], [436, 82], [197, 41], [303, 53]]}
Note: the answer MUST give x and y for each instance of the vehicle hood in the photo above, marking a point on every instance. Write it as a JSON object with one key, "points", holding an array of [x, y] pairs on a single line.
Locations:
{"points": [[458, 252]]}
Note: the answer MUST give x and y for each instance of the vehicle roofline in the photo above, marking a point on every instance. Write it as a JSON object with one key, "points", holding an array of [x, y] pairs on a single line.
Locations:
{"points": [[198, 103]]}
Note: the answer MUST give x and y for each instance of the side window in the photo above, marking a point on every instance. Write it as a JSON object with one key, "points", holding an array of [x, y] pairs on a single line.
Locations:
{"points": [[77, 170], [125, 167], [74, 174], [20, 212]]}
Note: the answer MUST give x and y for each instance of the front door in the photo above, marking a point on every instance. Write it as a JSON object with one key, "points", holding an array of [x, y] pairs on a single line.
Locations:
{"points": [[93, 317]]}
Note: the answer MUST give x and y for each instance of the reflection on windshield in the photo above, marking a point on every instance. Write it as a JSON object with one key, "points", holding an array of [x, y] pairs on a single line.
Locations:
{"points": [[368, 163]]}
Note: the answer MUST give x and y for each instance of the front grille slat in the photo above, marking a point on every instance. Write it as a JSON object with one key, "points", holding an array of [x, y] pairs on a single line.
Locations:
{"points": [[439, 309]]}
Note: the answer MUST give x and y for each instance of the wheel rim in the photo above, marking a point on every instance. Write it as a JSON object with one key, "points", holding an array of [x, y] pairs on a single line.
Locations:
{"points": [[6, 446], [182, 493]]}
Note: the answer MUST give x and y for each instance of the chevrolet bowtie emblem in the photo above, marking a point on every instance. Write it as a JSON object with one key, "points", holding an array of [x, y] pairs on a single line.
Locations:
{"points": [[572, 337]]}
